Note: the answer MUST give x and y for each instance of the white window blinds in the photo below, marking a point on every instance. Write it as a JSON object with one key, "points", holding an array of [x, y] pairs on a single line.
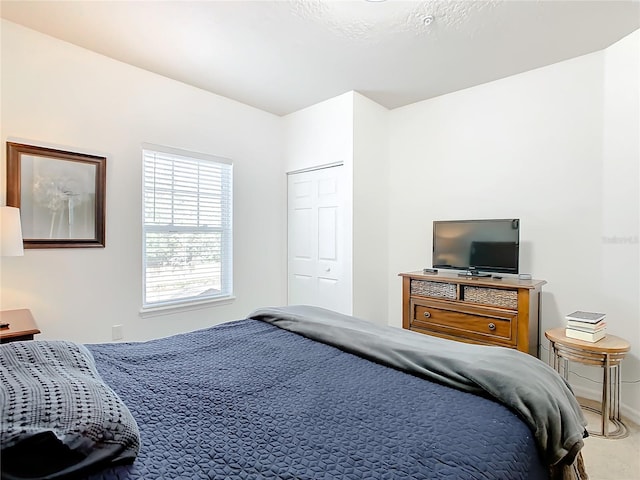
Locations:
{"points": [[187, 247]]}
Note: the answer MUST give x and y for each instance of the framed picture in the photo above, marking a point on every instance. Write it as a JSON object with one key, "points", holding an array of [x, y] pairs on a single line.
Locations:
{"points": [[61, 196]]}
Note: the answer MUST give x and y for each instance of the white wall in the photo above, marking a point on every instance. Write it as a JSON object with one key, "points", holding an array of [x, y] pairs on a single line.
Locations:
{"points": [[533, 146], [620, 258], [54, 93], [370, 209], [319, 135]]}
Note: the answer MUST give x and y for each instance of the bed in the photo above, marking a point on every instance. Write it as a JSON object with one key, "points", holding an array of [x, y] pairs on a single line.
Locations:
{"points": [[303, 393]]}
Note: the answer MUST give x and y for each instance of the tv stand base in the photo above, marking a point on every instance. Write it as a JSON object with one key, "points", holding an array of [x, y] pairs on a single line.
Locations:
{"points": [[473, 274]]}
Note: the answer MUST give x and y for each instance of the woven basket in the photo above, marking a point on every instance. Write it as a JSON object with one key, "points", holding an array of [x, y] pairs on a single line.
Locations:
{"points": [[491, 296], [433, 289]]}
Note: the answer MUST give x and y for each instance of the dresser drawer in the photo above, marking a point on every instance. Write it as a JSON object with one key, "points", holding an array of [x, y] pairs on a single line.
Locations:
{"points": [[481, 325]]}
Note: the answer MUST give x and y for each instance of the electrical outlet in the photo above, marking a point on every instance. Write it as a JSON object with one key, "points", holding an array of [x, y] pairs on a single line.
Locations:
{"points": [[117, 332]]}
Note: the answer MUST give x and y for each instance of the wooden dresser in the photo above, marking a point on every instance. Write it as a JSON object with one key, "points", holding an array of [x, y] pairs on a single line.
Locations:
{"points": [[483, 310]]}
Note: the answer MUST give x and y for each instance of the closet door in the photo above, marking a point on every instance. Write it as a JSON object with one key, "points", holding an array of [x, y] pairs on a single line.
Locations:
{"points": [[316, 236]]}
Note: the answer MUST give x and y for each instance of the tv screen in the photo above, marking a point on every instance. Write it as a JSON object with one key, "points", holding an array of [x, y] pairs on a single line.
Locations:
{"points": [[481, 245]]}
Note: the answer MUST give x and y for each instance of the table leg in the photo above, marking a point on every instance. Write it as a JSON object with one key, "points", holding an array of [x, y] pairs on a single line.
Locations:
{"points": [[606, 390], [552, 355], [616, 393]]}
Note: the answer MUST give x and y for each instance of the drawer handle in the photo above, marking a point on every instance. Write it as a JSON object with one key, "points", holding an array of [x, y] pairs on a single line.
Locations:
{"points": [[427, 315], [492, 326]]}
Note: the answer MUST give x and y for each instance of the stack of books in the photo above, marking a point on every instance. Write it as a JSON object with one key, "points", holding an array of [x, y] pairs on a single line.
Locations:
{"points": [[586, 326]]}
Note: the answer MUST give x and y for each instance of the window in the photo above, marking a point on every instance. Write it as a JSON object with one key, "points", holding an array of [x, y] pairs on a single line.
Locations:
{"points": [[187, 247]]}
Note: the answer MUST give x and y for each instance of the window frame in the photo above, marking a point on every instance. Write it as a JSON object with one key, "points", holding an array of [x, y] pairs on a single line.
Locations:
{"points": [[225, 229]]}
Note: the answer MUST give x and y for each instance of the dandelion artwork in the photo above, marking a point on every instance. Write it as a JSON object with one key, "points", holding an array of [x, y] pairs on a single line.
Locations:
{"points": [[60, 195], [65, 191]]}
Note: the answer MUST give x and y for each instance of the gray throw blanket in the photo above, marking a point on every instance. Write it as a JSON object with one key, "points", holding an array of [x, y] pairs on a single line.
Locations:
{"points": [[527, 385]]}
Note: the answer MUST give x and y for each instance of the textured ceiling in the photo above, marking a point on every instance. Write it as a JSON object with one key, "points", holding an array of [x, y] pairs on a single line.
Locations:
{"points": [[281, 56]]}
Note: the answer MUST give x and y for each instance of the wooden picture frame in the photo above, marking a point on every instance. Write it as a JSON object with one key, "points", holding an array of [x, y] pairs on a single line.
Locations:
{"points": [[61, 196]]}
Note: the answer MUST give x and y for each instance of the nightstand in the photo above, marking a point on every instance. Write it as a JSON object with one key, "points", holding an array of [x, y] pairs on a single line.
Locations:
{"points": [[22, 326], [607, 354]]}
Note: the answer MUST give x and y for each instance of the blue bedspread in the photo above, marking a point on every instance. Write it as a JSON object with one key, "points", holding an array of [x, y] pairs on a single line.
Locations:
{"points": [[249, 400]]}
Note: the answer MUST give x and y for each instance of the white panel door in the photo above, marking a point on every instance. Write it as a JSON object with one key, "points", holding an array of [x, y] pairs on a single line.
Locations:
{"points": [[316, 237]]}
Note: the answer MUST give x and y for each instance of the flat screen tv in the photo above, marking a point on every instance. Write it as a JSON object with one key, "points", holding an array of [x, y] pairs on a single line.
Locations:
{"points": [[477, 246]]}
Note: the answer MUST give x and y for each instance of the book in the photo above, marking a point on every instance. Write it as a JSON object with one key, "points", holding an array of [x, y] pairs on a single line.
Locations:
{"points": [[587, 327], [588, 317], [585, 336]]}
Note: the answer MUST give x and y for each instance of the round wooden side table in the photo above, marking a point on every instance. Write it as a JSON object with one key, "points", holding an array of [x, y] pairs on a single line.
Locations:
{"points": [[606, 353]]}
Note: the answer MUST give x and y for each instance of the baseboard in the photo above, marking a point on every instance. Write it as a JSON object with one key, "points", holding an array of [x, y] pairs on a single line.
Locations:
{"points": [[625, 410]]}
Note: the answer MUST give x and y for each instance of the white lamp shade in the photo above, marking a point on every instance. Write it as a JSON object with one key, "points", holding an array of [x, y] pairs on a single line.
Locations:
{"points": [[10, 232]]}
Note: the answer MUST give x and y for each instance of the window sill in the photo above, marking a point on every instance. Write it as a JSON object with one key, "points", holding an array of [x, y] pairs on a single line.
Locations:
{"points": [[184, 306]]}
